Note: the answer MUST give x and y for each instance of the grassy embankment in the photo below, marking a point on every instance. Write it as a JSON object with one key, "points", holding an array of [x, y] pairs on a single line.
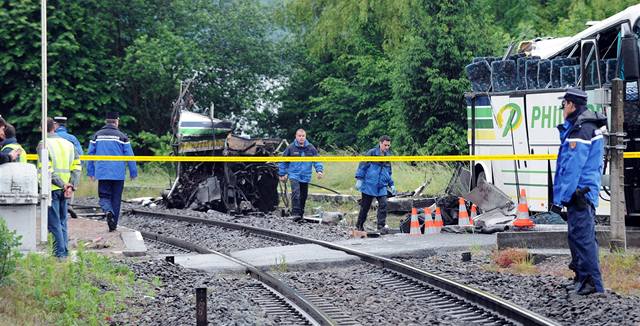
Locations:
{"points": [[407, 177], [87, 291], [620, 270], [152, 179]]}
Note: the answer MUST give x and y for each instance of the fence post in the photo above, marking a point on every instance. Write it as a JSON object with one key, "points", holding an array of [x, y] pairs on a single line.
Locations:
{"points": [[616, 146], [201, 306]]}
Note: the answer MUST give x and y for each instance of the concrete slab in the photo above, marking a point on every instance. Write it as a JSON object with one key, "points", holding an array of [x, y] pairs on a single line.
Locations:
{"points": [[311, 256], [133, 244], [555, 237], [210, 263], [403, 245], [297, 257], [550, 252]]}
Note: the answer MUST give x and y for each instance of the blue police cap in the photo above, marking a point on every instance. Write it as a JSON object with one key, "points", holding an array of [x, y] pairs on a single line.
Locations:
{"points": [[112, 115], [575, 95]]}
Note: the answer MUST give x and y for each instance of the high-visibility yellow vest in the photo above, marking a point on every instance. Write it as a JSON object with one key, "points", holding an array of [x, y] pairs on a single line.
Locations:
{"points": [[62, 159], [22, 158]]}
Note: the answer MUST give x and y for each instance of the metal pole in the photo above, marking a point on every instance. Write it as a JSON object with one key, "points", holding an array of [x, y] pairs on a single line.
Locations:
{"points": [[473, 141], [616, 144], [45, 181]]}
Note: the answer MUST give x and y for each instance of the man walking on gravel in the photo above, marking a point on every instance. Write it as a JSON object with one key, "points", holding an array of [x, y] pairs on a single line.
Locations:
{"points": [[61, 130], [577, 184], [299, 173], [372, 180], [110, 174], [64, 169]]}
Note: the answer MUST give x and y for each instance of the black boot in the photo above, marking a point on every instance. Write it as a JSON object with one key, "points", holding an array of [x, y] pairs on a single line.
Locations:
{"points": [[111, 221], [586, 289]]}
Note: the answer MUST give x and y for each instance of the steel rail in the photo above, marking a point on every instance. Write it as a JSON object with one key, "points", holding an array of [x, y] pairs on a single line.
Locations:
{"points": [[483, 299], [298, 302]]}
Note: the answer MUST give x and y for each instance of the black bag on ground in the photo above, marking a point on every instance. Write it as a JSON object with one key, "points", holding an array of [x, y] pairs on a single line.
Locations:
{"points": [[449, 209], [405, 224]]}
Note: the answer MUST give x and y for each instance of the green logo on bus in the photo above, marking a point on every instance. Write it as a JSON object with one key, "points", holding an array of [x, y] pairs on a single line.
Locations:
{"points": [[513, 120]]}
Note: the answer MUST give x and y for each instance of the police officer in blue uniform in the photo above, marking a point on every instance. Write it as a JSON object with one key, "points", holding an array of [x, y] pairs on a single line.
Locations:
{"points": [[299, 173], [577, 184], [61, 130], [373, 179], [110, 174]]}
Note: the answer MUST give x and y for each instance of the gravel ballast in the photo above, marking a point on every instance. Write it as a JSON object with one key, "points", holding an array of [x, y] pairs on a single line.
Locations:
{"points": [[174, 300], [356, 289], [544, 294]]}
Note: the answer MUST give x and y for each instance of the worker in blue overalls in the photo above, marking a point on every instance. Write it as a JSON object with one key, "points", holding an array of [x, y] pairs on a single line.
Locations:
{"points": [[577, 183]]}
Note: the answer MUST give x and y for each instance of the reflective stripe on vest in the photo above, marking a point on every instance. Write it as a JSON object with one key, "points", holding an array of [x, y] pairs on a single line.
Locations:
{"points": [[22, 158]]}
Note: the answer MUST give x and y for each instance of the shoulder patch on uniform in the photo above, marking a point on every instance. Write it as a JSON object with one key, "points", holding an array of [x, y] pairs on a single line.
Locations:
{"points": [[572, 144]]}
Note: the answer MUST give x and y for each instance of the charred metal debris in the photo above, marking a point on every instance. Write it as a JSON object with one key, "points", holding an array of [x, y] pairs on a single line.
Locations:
{"points": [[231, 187]]}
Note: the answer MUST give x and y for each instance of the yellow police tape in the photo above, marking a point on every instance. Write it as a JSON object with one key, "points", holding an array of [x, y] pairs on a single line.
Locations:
{"points": [[420, 158]]}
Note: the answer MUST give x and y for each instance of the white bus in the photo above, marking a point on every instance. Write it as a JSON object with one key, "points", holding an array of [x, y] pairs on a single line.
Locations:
{"points": [[514, 106]]}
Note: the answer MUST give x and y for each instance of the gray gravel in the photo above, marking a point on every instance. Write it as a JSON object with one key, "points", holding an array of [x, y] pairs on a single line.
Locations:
{"points": [[356, 290], [544, 294], [208, 236], [157, 248], [370, 303], [174, 300], [273, 222]]}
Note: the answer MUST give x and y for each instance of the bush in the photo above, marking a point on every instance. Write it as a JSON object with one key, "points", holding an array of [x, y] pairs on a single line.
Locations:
{"points": [[9, 254], [506, 258], [87, 290]]}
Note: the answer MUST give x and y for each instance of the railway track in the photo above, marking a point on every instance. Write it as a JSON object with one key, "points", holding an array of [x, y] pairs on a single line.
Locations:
{"points": [[458, 300], [277, 299], [86, 211]]}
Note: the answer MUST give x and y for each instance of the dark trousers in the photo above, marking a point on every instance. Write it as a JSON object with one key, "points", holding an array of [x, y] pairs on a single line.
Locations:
{"points": [[57, 223], [583, 245], [110, 193], [365, 205], [299, 192]]}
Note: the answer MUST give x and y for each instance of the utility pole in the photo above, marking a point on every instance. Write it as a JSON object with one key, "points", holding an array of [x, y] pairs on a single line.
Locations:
{"points": [[45, 182], [616, 146]]}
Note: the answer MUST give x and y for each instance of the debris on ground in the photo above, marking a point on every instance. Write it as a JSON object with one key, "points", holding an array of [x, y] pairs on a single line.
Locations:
{"points": [[234, 187]]}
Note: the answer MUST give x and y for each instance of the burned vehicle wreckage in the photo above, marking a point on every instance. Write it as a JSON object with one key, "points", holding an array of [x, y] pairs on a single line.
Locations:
{"points": [[233, 187]]}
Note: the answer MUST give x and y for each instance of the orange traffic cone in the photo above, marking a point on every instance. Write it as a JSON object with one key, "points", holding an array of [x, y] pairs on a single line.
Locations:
{"points": [[429, 227], [414, 227], [438, 223], [522, 218], [463, 216], [474, 213]]}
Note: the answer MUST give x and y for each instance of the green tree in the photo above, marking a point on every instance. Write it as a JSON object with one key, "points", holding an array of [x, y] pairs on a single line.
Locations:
{"points": [[384, 67], [129, 56], [78, 58]]}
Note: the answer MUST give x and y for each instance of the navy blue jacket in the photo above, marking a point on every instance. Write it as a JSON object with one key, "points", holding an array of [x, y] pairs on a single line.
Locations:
{"points": [[300, 171], [62, 132], [580, 156], [375, 176], [110, 141]]}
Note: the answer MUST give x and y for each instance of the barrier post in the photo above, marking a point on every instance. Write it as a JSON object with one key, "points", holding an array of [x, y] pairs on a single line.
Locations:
{"points": [[616, 146], [201, 307]]}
